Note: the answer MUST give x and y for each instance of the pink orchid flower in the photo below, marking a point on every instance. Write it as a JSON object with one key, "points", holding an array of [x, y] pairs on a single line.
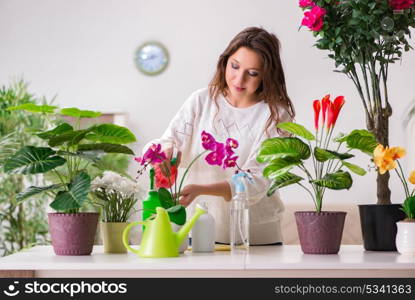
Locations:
{"points": [[152, 156], [208, 141]]}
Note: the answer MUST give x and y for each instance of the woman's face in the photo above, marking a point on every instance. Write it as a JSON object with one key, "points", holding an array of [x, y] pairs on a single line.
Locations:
{"points": [[243, 73]]}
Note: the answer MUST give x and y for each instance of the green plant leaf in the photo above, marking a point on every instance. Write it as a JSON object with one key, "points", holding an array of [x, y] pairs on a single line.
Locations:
{"points": [[166, 199], [77, 113], [323, 155], [106, 147], [409, 207], [31, 107], [111, 133], [70, 137], [58, 130], [34, 190], [33, 160], [283, 147], [76, 194], [297, 129], [360, 139], [283, 180], [278, 167], [354, 168], [177, 214], [335, 181]]}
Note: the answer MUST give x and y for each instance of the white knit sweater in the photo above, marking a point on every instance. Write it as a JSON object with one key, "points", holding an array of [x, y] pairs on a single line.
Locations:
{"points": [[246, 125]]}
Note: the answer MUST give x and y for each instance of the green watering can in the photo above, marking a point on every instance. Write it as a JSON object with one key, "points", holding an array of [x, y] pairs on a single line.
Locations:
{"points": [[159, 240]]}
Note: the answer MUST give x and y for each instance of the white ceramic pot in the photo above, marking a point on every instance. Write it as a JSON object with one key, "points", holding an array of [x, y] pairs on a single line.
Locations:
{"points": [[405, 238], [185, 244]]}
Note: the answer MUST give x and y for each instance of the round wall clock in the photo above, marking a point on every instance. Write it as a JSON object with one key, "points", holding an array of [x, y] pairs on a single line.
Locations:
{"points": [[151, 58]]}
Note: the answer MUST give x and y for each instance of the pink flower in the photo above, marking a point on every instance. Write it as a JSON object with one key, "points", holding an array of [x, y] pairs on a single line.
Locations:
{"points": [[216, 157], [306, 3], [313, 19], [208, 141], [401, 4], [229, 162], [153, 155]]}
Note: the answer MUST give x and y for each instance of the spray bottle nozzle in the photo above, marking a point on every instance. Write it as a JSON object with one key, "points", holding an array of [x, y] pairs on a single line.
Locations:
{"points": [[238, 180]]}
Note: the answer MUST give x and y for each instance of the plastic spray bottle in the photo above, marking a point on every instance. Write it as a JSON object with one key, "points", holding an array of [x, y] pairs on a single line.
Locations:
{"points": [[239, 214], [203, 232]]}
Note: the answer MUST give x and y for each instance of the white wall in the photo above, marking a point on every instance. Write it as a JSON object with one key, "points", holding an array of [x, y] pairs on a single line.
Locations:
{"points": [[82, 51]]}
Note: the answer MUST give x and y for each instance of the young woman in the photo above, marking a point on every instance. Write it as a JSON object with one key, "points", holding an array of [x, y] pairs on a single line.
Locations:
{"points": [[245, 100]]}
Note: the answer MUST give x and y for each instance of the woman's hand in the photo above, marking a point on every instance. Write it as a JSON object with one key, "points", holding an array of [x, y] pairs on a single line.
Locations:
{"points": [[166, 164], [189, 193]]}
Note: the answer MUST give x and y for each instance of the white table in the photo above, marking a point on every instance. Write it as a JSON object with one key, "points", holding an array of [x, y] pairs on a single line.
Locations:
{"points": [[261, 261]]}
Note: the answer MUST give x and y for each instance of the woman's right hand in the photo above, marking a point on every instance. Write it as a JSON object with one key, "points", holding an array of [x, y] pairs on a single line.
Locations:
{"points": [[166, 165]]}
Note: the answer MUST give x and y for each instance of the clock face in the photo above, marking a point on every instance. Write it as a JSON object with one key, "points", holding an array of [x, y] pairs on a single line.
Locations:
{"points": [[151, 58]]}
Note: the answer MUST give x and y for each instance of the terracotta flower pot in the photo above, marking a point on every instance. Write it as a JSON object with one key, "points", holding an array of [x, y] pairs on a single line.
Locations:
{"points": [[320, 233], [112, 236], [73, 234]]}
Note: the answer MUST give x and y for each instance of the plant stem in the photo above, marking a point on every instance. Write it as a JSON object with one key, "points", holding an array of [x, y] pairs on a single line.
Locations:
{"points": [[188, 168]]}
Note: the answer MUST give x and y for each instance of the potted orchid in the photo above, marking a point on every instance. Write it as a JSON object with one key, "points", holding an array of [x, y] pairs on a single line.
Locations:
{"points": [[116, 196], [70, 152], [165, 190], [319, 231], [364, 37], [387, 159]]}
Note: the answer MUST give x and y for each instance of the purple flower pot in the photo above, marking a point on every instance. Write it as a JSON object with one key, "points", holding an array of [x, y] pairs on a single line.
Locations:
{"points": [[320, 233], [73, 234]]}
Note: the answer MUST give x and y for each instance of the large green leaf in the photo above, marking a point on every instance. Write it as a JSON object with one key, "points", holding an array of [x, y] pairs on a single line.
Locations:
{"points": [[106, 147], [283, 147], [361, 140], [325, 154], [58, 130], [177, 214], [297, 129], [77, 113], [31, 107], [278, 167], [76, 194], [91, 156], [111, 133], [34, 190], [283, 180], [166, 199], [354, 168], [33, 160], [70, 137], [335, 181]]}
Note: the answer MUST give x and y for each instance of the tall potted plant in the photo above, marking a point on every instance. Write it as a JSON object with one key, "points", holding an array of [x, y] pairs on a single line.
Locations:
{"points": [[364, 37], [320, 231], [70, 152]]}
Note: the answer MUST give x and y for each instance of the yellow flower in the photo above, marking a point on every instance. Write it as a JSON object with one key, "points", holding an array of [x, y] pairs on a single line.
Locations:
{"points": [[384, 158], [412, 177]]}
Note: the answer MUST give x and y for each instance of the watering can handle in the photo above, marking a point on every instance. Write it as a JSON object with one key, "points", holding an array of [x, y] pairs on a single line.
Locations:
{"points": [[126, 233]]}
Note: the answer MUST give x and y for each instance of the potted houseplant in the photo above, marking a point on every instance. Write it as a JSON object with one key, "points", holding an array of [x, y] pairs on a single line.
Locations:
{"points": [[116, 196], [320, 231], [164, 188], [364, 37], [387, 159], [69, 153]]}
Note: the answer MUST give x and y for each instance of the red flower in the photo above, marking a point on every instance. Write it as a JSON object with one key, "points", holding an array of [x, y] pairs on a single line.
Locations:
{"points": [[325, 103], [401, 4], [163, 181], [306, 3], [313, 19], [317, 108], [334, 110]]}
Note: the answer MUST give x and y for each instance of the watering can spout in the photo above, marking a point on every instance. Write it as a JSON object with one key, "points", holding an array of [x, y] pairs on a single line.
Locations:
{"points": [[181, 235]]}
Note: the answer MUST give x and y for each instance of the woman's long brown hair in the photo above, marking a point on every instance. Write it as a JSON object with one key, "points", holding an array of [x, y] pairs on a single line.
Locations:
{"points": [[272, 88]]}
